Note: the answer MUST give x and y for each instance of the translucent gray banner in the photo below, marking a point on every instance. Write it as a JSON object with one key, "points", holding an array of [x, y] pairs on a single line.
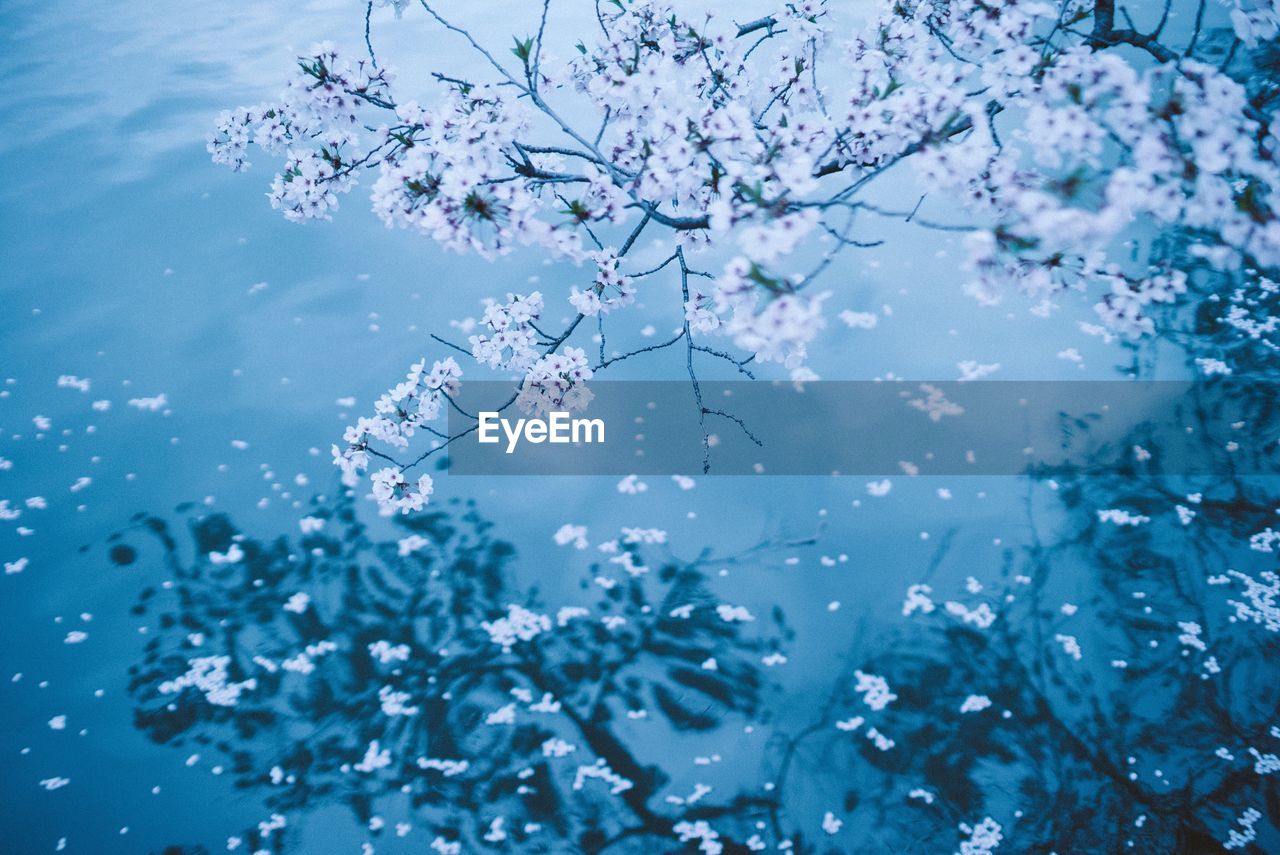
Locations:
{"points": [[869, 428]]}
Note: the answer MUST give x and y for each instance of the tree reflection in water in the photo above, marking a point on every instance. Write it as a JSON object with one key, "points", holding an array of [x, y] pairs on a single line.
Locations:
{"points": [[1112, 681], [413, 681]]}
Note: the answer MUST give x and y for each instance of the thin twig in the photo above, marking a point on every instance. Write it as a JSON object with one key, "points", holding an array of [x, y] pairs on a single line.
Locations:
{"points": [[693, 377], [605, 363], [368, 40], [448, 343]]}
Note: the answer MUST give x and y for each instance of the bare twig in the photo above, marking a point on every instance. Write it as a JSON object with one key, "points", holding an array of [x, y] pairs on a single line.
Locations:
{"points": [[368, 40]]}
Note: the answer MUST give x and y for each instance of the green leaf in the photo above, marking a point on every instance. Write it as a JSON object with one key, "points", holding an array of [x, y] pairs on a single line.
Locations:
{"points": [[523, 49]]}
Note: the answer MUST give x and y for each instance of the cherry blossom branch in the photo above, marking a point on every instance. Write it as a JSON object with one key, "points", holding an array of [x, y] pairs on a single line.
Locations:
{"points": [[697, 133]]}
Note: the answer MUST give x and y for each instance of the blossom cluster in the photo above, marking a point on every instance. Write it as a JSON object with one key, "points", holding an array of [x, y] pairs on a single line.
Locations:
{"points": [[316, 124], [401, 411], [611, 290], [512, 339], [557, 381], [446, 173], [1065, 145]]}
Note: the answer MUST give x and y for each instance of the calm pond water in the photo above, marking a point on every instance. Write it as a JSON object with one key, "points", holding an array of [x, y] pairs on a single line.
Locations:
{"points": [[134, 264]]}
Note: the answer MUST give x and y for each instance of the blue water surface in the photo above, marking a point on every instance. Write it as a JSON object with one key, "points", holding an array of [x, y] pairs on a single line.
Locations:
{"points": [[131, 261]]}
